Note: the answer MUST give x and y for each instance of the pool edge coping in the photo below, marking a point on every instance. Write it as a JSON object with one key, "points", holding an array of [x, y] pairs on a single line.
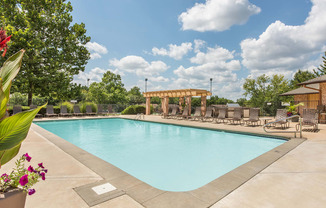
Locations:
{"points": [[149, 196]]}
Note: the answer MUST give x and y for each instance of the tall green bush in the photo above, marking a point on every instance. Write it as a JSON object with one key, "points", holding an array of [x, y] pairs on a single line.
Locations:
{"points": [[84, 104]]}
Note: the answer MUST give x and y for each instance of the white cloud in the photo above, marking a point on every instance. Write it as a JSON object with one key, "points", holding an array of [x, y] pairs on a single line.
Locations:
{"points": [[217, 15], [198, 45], [174, 51], [95, 75], [96, 49], [139, 66], [285, 48], [217, 63]]}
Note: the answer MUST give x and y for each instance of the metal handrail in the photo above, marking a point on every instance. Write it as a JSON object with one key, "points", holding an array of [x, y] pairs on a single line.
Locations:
{"points": [[139, 116], [295, 132]]}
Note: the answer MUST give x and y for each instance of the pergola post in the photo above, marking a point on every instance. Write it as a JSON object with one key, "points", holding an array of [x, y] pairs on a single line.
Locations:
{"points": [[148, 105], [188, 102], [203, 105], [181, 101], [165, 105]]}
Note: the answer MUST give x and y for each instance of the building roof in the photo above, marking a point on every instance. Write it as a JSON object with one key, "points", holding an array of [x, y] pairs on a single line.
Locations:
{"points": [[315, 80], [177, 93], [300, 91]]}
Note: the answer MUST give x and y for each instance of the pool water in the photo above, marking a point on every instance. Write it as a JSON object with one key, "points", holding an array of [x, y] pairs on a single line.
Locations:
{"points": [[168, 157]]}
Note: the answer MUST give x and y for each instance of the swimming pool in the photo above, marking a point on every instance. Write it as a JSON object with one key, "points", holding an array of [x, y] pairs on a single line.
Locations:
{"points": [[168, 157]]}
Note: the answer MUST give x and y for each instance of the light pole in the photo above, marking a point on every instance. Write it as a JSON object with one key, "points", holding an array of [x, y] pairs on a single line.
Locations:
{"points": [[88, 82], [146, 84], [211, 86]]}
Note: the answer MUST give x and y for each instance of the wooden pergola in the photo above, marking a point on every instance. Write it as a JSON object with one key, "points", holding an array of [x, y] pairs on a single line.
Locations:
{"points": [[184, 94]]}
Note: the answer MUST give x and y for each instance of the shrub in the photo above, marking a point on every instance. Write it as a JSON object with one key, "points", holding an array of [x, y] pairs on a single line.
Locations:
{"points": [[83, 106], [134, 109], [69, 105]]}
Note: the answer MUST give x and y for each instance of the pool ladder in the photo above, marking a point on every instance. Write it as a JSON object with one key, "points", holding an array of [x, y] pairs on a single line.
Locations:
{"points": [[295, 132], [139, 116]]}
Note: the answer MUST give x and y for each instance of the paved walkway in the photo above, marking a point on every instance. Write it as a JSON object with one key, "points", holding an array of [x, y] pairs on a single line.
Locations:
{"points": [[297, 180]]}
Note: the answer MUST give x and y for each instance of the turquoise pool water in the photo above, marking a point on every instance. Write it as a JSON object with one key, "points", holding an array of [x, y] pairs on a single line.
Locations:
{"points": [[168, 157]]}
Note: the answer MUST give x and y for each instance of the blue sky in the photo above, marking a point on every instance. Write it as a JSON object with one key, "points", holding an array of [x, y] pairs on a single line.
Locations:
{"points": [[179, 44]]}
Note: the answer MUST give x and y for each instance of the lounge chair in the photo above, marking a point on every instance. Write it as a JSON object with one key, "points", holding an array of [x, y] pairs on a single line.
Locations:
{"points": [[221, 115], [89, 111], [110, 110], [237, 117], [100, 110], [173, 114], [64, 111], [16, 109], [208, 115], [309, 118], [32, 107], [253, 117], [184, 115], [197, 114], [77, 111], [281, 114], [50, 111]]}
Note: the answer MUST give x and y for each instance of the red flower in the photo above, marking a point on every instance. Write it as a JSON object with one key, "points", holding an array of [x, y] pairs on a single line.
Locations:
{"points": [[23, 180], [3, 41]]}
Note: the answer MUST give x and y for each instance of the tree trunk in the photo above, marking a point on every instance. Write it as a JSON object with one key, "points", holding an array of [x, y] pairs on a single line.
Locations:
{"points": [[30, 97]]}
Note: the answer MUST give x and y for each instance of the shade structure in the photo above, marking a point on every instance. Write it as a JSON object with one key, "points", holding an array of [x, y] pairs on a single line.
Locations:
{"points": [[177, 93], [187, 93]]}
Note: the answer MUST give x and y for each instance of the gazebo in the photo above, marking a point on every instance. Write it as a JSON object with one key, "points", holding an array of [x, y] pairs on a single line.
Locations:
{"points": [[184, 94]]}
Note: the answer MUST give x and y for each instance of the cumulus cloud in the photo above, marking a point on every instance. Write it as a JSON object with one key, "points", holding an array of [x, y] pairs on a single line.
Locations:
{"points": [[94, 75], [174, 51], [217, 15], [139, 66], [198, 44], [96, 49], [217, 63], [284, 48]]}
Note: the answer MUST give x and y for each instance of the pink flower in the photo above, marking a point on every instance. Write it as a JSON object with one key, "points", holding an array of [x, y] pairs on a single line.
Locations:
{"points": [[31, 191], [28, 158], [30, 169], [5, 177], [23, 180], [3, 41], [43, 175], [40, 165]]}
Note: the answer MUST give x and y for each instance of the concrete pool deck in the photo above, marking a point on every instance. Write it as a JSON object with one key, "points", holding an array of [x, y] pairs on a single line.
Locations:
{"points": [[298, 179]]}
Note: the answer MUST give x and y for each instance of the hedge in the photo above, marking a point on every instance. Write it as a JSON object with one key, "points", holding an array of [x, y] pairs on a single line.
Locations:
{"points": [[135, 109]]}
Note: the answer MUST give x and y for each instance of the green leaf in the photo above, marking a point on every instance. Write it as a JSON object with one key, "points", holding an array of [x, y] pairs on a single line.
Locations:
{"points": [[14, 129], [4, 98], [7, 155], [11, 68]]}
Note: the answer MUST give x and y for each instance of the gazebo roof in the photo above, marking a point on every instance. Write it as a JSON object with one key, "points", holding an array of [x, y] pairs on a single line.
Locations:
{"points": [[300, 91], [177, 93], [315, 80]]}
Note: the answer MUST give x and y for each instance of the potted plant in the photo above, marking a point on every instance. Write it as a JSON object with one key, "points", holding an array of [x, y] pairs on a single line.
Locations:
{"points": [[13, 129], [293, 110], [15, 186]]}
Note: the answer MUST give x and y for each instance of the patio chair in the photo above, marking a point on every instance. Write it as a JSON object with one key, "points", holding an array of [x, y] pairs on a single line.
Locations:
{"points": [[77, 111], [32, 107], [221, 115], [173, 114], [253, 117], [89, 111], [184, 115], [281, 114], [237, 117], [16, 109], [110, 110], [208, 115], [197, 114], [64, 111], [309, 118], [50, 111], [100, 110]]}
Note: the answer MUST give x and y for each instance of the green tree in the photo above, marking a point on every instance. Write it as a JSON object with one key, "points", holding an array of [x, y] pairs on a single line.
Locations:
{"points": [[242, 102], [215, 100], [265, 90], [55, 49], [135, 96], [321, 70], [301, 76], [109, 91]]}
